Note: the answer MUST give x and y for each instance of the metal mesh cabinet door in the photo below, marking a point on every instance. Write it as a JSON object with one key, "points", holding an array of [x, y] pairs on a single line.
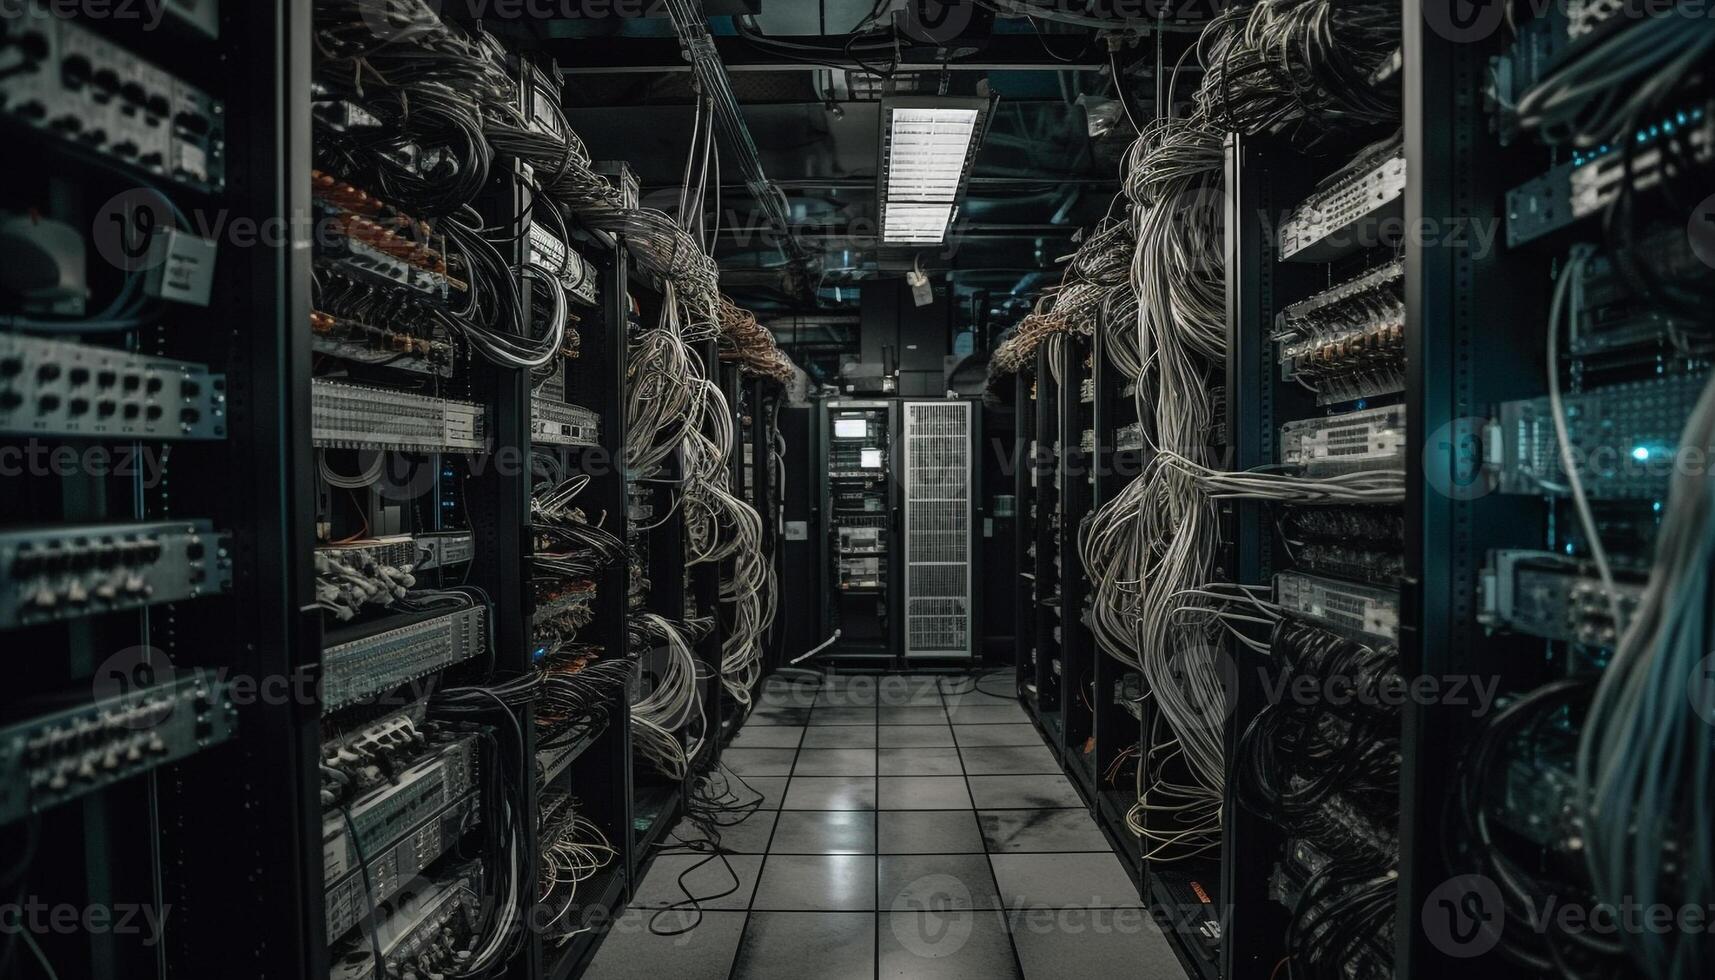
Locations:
{"points": [[938, 514]]}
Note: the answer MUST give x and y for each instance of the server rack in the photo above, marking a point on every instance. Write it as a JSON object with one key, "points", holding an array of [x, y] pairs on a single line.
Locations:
{"points": [[239, 804], [860, 545], [1463, 375], [1079, 448], [198, 834], [907, 500], [1045, 562]]}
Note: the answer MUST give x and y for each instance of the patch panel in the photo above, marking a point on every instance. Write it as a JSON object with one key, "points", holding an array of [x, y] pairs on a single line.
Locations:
{"points": [[1365, 544], [378, 256], [545, 109], [552, 763], [419, 553], [1348, 342], [1611, 315], [360, 662], [421, 931], [56, 758], [1357, 563], [1589, 182], [1624, 440], [1371, 439], [390, 812], [1362, 609], [58, 388], [358, 761], [575, 601], [65, 80], [576, 275], [1552, 596], [556, 424], [348, 416], [1378, 527], [1347, 214], [1130, 438], [444, 549], [57, 573], [396, 863], [376, 240], [395, 552], [351, 340]]}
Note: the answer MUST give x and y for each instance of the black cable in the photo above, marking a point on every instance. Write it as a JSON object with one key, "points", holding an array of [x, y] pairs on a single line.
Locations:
{"points": [[368, 892]]}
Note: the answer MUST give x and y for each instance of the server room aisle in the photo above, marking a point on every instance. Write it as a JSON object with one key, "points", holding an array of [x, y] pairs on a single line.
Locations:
{"points": [[911, 827]]}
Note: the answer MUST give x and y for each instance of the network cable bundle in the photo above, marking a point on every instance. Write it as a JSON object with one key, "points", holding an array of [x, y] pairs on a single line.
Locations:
{"points": [[1157, 545], [573, 851], [451, 285], [680, 437], [1325, 769], [669, 713], [1325, 778], [437, 115], [569, 551], [1586, 784]]}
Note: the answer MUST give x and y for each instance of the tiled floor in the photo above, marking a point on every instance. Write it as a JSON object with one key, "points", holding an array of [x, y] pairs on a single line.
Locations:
{"points": [[911, 829]]}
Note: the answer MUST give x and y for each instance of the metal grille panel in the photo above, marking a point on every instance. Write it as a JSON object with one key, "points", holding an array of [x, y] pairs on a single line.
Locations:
{"points": [[938, 508]]}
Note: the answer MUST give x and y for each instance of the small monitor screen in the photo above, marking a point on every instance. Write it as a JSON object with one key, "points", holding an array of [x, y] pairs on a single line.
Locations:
{"points": [[850, 428], [871, 459]]}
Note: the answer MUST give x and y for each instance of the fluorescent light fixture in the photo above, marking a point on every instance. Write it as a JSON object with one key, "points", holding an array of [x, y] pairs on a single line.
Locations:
{"points": [[916, 222], [927, 143]]}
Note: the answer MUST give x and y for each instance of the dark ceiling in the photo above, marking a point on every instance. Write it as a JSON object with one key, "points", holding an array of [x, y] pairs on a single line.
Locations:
{"points": [[1048, 166]]}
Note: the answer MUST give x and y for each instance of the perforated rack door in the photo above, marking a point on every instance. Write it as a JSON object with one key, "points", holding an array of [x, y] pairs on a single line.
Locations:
{"points": [[938, 514]]}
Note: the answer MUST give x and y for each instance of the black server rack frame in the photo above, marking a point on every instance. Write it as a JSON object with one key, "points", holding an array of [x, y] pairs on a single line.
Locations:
{"points": [[174, 836]]}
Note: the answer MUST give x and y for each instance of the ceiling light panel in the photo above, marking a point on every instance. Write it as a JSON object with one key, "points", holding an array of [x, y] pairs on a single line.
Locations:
{"points": [[917, 223], [928, 144]]}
